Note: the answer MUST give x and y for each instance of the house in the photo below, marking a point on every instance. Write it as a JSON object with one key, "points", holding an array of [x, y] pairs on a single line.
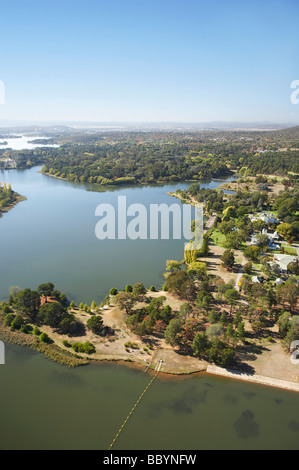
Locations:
{"points": [[258, 279], [272, 245], [279, 281], [283, 261], [253, 240], [268, 218], [47, 300], [276, 236]]}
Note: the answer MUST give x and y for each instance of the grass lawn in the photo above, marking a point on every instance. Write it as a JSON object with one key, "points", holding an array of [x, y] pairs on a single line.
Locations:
{"points": [[290, 251], [218, 238]]}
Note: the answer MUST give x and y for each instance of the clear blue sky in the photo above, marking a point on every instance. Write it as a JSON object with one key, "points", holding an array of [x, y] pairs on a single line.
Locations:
{"points": [[149, 60]]}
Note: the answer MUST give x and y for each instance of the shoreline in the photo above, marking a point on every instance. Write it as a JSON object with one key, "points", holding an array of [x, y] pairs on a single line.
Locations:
{"points": [[113, 185], [19, 198], [141, 184], [256, 379], [54, 353]]}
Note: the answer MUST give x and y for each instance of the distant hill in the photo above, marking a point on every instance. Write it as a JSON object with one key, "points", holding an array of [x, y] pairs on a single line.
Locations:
{"points": [[290, 133], [67, 126]]}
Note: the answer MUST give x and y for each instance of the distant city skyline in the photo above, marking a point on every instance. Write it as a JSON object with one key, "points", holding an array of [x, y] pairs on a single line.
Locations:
{"points": [[149, 61]]}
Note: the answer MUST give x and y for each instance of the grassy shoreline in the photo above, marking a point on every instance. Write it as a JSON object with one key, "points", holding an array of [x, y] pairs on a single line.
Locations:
{"points": [[51, 351], [19, 198], [54, 353]]}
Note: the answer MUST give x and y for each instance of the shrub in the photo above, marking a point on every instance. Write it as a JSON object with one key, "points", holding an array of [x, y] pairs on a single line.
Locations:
{"points": [[17, 322], [87, 347], [24, 328], [247, 268], [9, 319], [6, 309], [36, 331], [44, 338]]}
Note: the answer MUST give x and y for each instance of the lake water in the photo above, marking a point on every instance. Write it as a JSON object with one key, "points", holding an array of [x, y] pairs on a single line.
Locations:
{"points": [[22, 142], [47, 406], [51, 237]]}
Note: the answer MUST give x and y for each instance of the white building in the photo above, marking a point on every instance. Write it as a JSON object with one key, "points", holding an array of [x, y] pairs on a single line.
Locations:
{"points": [[284, 260], [268, 218]]}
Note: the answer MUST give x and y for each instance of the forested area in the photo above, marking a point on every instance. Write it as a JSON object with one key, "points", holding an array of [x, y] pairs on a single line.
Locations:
{"points": [[144, 157]]}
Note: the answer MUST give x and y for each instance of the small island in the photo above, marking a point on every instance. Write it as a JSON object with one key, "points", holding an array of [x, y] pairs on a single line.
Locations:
{"points": [[8, 198]]}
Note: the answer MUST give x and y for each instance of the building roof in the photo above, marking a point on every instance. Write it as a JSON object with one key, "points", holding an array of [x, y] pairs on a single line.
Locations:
{"points": [[284, 260]]}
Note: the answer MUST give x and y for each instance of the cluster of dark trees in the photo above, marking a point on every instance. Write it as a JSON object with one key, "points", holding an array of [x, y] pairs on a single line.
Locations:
{"points": [[7, 196], [53, 313]]}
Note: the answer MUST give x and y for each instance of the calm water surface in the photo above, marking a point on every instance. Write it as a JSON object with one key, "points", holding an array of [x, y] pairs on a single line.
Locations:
{"points": [[50, 237], [47, 406], [22, 142]]}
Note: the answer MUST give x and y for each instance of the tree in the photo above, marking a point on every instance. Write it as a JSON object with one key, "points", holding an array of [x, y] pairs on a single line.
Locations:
{"points": [[51, 314], [172, 333], [293, 267], [139, 290], [232, 296], [241, 332], [247, 268], [226, 227], [28, 301], [17, 322], [8, 319], [197, 270], [229, 212], [44, 338], [185, 310], [200, 344], [285, 230], [288, 293], [215, 330], [175, 281], [88, 348], [262, 240], [228, 259], [204, 299], [125, 301], [160, 326], [252, 252], [95, 324], [172, 265], [68, 324], [235, 239], [46, 289], [128, 288], [230, 332], [220, 353]]}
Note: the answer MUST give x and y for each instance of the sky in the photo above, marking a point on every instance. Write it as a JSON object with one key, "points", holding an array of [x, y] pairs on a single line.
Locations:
{"points": [[149, 60]]}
